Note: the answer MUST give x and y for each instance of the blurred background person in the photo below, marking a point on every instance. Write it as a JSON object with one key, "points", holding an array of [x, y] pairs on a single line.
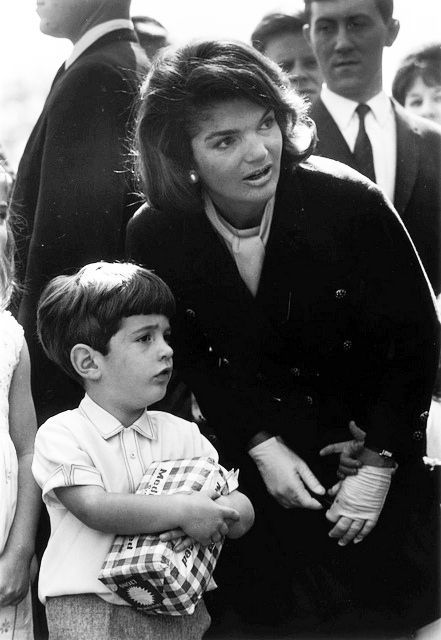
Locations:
{"points": [[152, 35], [280, 37], [73, 193], [417, 83], [358, 124]]}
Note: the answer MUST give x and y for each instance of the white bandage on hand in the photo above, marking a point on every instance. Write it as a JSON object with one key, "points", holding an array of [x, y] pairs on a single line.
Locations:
{"points": [[362, 496]]}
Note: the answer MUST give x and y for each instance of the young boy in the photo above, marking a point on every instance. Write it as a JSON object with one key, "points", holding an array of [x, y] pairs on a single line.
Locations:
{"points": [[108, 326]]}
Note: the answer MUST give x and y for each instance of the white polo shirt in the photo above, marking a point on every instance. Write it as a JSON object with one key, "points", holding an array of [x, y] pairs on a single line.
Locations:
{"points": [[88, 446]]}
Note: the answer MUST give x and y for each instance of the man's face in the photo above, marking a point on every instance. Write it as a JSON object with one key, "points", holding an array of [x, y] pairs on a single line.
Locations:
{"points": [[348, 37], [294, 55], [63, 18]]}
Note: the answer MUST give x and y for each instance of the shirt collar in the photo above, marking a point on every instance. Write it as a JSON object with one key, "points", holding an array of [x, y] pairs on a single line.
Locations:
{"points": [[342, 109], [109, 426], [227, 231], [94, 34]]}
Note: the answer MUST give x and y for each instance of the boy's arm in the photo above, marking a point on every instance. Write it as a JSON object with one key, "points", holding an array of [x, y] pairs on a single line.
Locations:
{"points": [[129, 514], [238, 501]]}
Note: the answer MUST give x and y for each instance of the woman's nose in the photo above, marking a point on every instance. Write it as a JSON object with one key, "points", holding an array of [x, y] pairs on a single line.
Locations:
{"points": [[256, 149]]}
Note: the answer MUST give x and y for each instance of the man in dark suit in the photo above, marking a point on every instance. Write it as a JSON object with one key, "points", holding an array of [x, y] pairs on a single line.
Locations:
{"points": [[359, 125], [74, 193]]}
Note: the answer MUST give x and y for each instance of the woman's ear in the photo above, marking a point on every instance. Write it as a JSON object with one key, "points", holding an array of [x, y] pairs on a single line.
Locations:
{"points": [[85, 362]]}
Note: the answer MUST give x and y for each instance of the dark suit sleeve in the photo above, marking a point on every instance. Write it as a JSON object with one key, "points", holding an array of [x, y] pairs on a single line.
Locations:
{"points": [[399, 325], [80, 208]]}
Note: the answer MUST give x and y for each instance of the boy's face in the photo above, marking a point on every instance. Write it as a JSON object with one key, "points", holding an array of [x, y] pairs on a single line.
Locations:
{"points": [[138, 366]]}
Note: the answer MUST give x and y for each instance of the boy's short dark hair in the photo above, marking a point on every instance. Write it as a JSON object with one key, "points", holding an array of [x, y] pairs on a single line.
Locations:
{"points": [[88, 307], [275, 24]]}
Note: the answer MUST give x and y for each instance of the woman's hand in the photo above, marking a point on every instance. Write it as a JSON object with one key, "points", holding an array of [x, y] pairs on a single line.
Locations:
{"points": [[287, 477]]}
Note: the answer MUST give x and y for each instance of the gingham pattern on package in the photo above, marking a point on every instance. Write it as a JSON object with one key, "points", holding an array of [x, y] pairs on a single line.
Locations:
{"points": [[148, 573]]}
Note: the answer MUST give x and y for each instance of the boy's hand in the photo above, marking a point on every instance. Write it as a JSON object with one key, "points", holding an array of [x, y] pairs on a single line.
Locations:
{"points": [[349, 452], [204, 519]]}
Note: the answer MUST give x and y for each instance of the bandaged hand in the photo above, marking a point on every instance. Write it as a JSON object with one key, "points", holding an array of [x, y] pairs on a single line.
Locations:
{"points": [[358, 503], [286, 475]]}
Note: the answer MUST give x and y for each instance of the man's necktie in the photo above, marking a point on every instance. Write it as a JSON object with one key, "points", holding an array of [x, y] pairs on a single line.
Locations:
{"points": [[363, 149]]}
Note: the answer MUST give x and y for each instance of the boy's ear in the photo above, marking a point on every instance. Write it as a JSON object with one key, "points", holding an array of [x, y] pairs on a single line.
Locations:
{"points": [[85, 362]]}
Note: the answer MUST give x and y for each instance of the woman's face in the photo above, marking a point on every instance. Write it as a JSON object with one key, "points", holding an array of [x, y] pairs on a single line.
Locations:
{"points": [[424, 101], [237, 153]]}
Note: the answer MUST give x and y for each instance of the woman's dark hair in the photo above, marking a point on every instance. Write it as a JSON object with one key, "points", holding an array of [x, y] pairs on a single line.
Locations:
{"points": [[185, 82], [424, 63]]}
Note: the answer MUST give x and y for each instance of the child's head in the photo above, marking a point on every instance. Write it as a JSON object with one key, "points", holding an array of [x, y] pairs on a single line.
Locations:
{"points": [[417, 84], [108, 315], [6, 241]]}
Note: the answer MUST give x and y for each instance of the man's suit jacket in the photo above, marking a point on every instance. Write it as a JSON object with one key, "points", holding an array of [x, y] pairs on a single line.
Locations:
{"points": [[343, 326], [417, 184], [74, 193]]}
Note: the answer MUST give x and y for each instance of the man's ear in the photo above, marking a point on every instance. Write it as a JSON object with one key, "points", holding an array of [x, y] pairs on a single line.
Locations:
{"points": [[307, 34], [393, 29], [85, 362]]}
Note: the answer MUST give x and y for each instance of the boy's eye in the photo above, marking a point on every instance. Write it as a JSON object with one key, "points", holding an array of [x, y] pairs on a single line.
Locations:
{"points": [[146, 338]]}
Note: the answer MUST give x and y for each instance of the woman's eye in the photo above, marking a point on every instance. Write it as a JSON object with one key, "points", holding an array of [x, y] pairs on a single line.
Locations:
{"points": [[415, 103], [224, 143], [146, 338], [167, 337], [268, 122]]}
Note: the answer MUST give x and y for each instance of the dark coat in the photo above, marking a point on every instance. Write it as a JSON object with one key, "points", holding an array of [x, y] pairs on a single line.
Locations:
{"points": [[73, 193], [343, 326], [417, 185]]}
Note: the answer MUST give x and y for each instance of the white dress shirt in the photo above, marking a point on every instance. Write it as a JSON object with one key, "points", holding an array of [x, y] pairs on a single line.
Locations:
{"points": [[247, 246], [381, 129], [94, 34]]}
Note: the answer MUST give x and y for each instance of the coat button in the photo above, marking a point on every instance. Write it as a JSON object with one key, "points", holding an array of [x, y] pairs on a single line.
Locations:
{"points": [[260, 377], [418, 435], [340, 293], [225, 362], [347, 345], [309, 400], [295, 371], [424, 416], [132, 455], [190, 313]]}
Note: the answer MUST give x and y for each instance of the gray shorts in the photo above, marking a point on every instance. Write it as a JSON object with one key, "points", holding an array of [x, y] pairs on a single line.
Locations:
{"points": [[88, 617]]}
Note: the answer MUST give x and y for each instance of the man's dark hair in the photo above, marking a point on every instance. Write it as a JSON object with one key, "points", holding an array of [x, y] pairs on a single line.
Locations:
{"points": [[275, 24], [385, 8]]}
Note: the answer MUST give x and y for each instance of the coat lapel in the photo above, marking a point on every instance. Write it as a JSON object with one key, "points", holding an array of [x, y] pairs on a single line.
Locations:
{"points": [[408, 153], [331, 143]]}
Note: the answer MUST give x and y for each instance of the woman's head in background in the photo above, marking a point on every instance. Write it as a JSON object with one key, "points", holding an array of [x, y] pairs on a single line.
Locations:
{"points": [[417, 83]]}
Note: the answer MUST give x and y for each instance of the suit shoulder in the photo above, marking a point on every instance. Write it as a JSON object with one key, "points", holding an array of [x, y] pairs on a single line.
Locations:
{"points": [[421, 126], [331, 172]]}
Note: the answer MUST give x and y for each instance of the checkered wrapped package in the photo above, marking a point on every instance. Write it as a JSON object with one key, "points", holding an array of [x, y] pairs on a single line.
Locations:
{"points": [[148, 573]]}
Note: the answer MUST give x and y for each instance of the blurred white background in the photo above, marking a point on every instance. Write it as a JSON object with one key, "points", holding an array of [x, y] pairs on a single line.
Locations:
{"points": [[29, 59]]}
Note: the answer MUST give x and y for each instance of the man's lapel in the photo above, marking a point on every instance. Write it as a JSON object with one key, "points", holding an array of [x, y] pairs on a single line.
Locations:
{"points": [[408, 153], [331, 143]]}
